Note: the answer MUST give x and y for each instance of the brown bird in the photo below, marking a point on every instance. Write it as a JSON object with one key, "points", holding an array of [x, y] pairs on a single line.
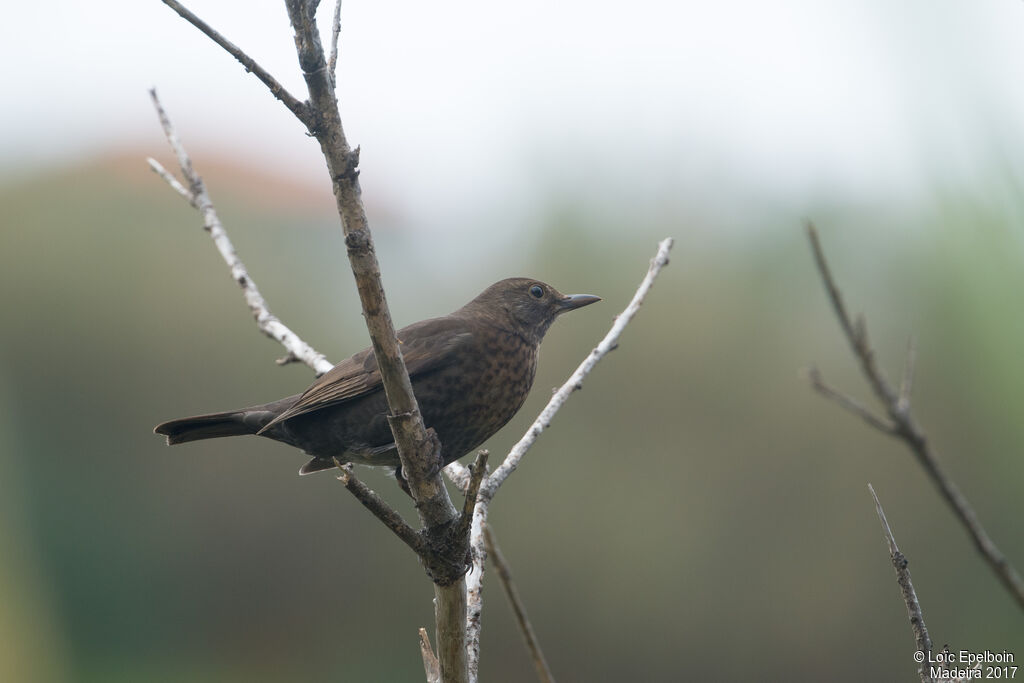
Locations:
{"points": [[470, 370]]}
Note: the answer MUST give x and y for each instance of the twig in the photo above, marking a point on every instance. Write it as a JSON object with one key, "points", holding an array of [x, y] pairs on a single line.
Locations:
{"points": [[475, 586], [172, 181], [907, 385], [575, 381], [276, 89], [899, 563], [905, 428], [458, 474], [476, 477], [198, 197], [430, 663], [848, 402], [856, 333], [380, 509], [332, 62], [512, 593]]}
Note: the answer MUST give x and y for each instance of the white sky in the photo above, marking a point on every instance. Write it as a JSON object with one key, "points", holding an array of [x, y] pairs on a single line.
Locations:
{"points": [[467, 99]]}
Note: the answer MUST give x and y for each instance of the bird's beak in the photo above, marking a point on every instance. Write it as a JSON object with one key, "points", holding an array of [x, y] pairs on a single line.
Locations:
{"points": [[574, 301]]}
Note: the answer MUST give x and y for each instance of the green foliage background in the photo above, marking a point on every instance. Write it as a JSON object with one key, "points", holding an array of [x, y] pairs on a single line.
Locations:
{"points": [[694, 513]]}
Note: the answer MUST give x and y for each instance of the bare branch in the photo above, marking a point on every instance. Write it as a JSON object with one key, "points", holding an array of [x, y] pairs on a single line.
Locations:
{"points": [[512, 593], [905, 428], [172, 181], [899, 563], [430, 663], [332, 62], [477, 472], [475, 586], [575, 381], [276, 89], [834, 295], [198, 197], [848, 402], [907, 385], [458, 474], [856, 333], [380, 509]]}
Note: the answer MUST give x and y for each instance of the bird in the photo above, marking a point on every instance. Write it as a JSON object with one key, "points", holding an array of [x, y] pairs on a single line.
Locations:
{"points": [[471, 371]]}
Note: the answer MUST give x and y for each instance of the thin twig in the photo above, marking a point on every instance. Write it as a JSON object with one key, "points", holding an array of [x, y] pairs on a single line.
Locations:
{"points": [[905, 428], [476, 477], [277, 90], [848, 402], [430, 664], [575, 381], [379, 507], [475, 586], [332, 62], [512, 593], [900, 564], [458, 474], [907, 385], [172, 181], [856, 332], [198, 197]]}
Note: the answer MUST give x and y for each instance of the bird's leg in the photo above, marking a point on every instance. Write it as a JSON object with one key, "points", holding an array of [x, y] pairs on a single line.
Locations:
{"points": [[435, 467], [402, 483]]}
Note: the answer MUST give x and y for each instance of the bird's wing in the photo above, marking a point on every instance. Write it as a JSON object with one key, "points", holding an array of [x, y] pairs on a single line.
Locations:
{"points": [[426, 346]]}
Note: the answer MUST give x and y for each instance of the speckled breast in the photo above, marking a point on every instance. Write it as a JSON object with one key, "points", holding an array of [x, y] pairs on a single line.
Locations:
{"points": [[471, 399]]}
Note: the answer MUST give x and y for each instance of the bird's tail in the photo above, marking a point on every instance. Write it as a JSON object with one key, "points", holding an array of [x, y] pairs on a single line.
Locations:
{"points": [[215, 425], [206, 427]]}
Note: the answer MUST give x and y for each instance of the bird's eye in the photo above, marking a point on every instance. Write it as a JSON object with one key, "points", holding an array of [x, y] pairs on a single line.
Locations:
{"points": [[536, 292]]}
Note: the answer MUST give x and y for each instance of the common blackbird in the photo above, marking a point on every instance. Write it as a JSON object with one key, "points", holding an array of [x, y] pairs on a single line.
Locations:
{"points": [[470, 371]]}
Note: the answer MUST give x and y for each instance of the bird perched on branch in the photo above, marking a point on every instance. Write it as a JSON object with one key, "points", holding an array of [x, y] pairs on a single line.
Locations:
{"points": [[471, 371]]}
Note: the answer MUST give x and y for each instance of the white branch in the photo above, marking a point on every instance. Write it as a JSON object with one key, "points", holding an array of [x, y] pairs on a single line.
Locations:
{"points": [[430, 664], [332, 61], [475, 586], [198, 197], [171, 180]]}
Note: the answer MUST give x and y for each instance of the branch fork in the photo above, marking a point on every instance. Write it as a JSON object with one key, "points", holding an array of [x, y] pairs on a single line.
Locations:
{"points": [[443, 550], [900, 423]]}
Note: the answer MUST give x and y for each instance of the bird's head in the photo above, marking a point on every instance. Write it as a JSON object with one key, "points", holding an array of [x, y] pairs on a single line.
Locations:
{"points": [[529, 305]]}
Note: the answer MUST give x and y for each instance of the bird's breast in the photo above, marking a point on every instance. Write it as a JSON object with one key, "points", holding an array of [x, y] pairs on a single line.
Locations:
{"points": [[472, 398]]}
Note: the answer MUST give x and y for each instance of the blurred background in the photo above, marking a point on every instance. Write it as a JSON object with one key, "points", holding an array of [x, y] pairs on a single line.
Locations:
{"points": [[695, 512]]}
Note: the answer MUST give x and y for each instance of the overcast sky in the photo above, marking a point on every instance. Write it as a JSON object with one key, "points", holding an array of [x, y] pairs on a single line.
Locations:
{"points": [[468, 98]]}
